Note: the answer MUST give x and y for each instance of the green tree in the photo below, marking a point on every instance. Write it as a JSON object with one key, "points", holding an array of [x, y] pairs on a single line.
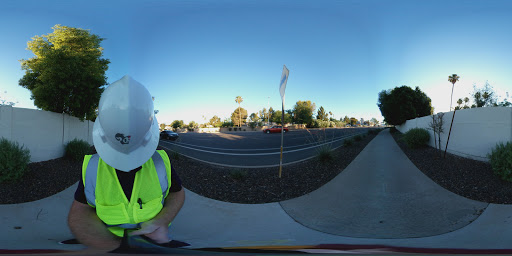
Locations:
{"points": [[374, 121], [289, 113], [346, 120], [452, 79], [278, 116], [263, 115], [321, 114], [215, 121], [253, 118], [403, 103], [227, 123], [271, 113], [177, 124], [459, 104], [237, 114], [192, 125], [466, 103], [239, 100], [353, 121], [67, 74], [162, 126], [485, 96], [303, 112]]}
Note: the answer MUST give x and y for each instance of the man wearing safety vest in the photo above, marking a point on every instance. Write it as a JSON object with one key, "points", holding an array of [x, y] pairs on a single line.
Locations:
{"points": [[128, 184]]}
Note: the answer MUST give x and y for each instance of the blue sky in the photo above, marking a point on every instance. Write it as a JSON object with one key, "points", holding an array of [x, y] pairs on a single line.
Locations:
{"points": [[195, 57]]}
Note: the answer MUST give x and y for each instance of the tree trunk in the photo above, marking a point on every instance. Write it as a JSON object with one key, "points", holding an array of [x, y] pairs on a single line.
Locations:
{"points": [[439, 139], [453, 85], [448, 140], [434, 128]]}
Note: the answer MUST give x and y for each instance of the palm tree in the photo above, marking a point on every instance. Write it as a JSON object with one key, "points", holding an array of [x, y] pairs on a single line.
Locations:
{"points": [[466, 100], [239, 100], [452, 79], [459, 104]]}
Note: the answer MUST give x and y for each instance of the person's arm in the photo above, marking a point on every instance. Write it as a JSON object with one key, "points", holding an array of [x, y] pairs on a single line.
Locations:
{"points": [[172, 206], [158, 228], [89, 229]]}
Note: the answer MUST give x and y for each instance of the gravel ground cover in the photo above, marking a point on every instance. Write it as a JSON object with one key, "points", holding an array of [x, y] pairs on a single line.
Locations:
{"points": [[466, 177], [42, 179], [226, 184], [469, 178], [263, 185]]}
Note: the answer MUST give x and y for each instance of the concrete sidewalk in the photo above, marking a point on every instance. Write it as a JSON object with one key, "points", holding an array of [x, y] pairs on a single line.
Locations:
{"points": [[381, 194], [205, 222]]}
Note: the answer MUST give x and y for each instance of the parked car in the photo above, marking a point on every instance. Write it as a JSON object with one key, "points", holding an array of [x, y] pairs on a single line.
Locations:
{"points": [[275, 129], [169, 135]]}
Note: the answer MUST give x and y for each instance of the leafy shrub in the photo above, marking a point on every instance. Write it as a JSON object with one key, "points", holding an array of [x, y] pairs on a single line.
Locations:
{"points": [[416, 138], [501, 160], [13, 160], [238, 174], [77, 149], [227, 124], [348, 142], [358, 138], [314, 124]]}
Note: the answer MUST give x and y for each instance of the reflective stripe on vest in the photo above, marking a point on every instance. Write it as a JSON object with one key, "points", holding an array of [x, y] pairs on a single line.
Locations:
{"points": [[126, 226], [91, 175], [90, 179]]}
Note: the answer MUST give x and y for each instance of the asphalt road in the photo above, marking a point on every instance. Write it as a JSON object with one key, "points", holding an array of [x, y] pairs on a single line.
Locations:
{"points": [[257, 149]]}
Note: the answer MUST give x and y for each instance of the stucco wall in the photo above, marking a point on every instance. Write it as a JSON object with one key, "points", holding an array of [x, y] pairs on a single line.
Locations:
{"points": [[475, 131], [44, 133]]}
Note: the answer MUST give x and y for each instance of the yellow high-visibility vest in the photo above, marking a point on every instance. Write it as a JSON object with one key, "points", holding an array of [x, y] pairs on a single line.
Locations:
{"points": [[104, 192]]}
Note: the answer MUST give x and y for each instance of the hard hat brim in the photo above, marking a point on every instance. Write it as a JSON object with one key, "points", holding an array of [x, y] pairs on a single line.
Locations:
{"points": [[129, 161]]}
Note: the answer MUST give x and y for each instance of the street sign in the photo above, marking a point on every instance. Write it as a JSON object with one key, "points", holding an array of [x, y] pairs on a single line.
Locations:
{"points": [[284, 79]]}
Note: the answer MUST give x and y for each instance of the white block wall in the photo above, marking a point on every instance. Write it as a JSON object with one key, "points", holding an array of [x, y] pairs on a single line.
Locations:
{"points": [[44, 133], [475, 131]]}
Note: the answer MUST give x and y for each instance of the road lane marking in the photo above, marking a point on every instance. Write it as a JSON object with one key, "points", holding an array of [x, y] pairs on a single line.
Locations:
{"points": [[261, 154], [247, 166], [258, 149]]}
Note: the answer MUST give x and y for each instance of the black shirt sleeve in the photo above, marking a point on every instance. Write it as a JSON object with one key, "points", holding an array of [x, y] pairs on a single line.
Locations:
{"points": [[175, 181], [175, 186], [80, 192]]}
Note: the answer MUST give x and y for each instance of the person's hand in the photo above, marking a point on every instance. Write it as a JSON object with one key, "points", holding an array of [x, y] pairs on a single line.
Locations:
{"points": [[155, 231]]}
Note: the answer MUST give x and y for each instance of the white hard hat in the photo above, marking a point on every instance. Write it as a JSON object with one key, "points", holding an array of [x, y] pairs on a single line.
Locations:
{"points": [[126, 133]]}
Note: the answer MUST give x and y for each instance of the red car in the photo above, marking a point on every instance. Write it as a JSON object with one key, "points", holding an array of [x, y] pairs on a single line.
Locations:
{"points": [[275, 129]]}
